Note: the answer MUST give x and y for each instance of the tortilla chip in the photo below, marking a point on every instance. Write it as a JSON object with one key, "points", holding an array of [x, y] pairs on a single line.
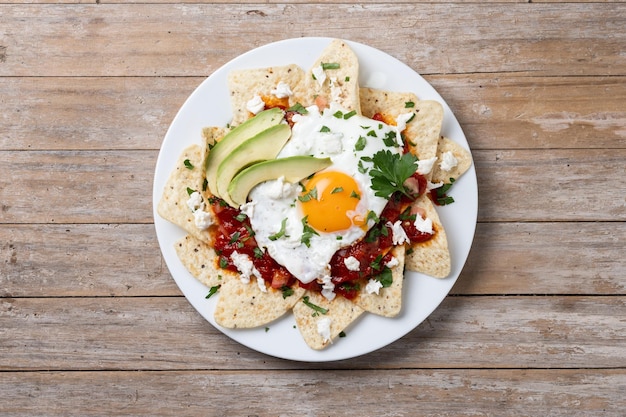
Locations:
{"points": [[172, 205], [243, 305], [422, 132], [341, 84], [245, 84], [462, 155], [433, 256], [341, 312], [199, 259], [388, 302]]}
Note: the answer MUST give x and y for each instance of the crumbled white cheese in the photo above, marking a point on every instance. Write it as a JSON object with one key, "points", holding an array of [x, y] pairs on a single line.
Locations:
{"points": [[279, 189], [319, 74], [244, 265], [282, 90], [399, 235], [373, 286], [328, 288], [449, 161], [202, 219], [248, 208], [329, 143], [424, 225], [424, 166], [255, 105], [261, 283], [195, 201], [323, 328], [352, 263], [335, 90], [392, 262], [402, 120]]}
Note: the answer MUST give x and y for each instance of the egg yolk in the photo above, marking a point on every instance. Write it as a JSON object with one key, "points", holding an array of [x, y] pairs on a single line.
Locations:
{"points": [[329, 201]]}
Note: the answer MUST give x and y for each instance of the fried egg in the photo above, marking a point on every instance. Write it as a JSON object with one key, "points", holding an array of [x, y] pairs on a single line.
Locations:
{"points": [[302, 225]]}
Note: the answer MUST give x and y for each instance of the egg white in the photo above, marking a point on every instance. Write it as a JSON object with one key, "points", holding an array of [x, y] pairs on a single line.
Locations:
{"points": [[320, 134]]}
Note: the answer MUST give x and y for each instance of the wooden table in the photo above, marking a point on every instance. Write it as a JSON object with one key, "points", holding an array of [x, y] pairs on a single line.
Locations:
{"points": [[92, 323]]}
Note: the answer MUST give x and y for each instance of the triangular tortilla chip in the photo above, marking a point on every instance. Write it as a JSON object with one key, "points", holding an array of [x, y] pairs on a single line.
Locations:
{"points": [[433, 256], [388, 302], [422, 132], [199, 259], [246, 83], [339, 85], [172, 205], [244, 305], [462, 155], [341, 312]]}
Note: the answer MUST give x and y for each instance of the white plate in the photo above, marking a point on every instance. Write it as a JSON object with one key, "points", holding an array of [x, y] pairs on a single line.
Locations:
{"points": [[209, 105]]}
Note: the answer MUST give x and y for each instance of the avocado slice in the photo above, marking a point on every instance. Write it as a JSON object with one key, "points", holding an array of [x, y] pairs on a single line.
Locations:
{"points": [[293, 168], [236, 137], [265, 145]]}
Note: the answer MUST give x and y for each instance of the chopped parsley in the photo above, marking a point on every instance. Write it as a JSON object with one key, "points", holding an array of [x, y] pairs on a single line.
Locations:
{"points": [[360, 144], [212, 291], [298, 108], [441, 197], [390, 139], [409, 105], [188, 164], [385, 277], [311, 195], [190, 191], [287, 291], [281, 232], [325, 129], [336, 190], [307, 232], [315, 307]]}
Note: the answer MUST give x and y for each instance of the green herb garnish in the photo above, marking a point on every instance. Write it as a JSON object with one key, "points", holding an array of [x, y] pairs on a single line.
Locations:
{"points": [[390, 171], [212, 291], [307, 232], [330, 65], [360, 144], [287, 291], [349, 115], [315, 307], [298, 108], [281, 232], [188, 164]]}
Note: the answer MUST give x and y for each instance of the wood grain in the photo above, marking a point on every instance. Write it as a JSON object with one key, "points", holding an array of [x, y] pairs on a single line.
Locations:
{"points": [[496, 111], [116, 186], [440, 393], [147, 333], [196, 39], [92, 323], [101, 260]]}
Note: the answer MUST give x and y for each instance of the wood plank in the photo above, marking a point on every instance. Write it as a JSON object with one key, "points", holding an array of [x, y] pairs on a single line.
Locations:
{"points": [[506, 111], [575, 393], [131, 333], [546, 258], [45, 113], [196, 39], [555, 185], [82, 260], [503, 111], [124, 260], [116, 186]]}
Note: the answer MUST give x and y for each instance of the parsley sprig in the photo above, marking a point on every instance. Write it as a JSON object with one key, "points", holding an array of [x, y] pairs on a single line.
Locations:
{"points": [[390, 171]]}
